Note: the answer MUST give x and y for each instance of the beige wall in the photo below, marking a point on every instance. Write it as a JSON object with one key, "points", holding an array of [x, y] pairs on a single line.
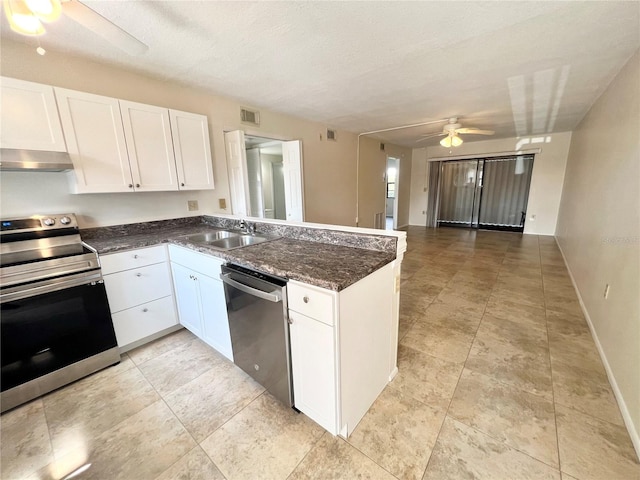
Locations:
{"points": [[599, 230], [372, 186], [329, 167], [546, 180]]}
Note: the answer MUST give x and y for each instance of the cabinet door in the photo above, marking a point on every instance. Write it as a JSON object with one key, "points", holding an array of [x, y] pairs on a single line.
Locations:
{"points": [[150, 148], [215, 324], [29, 117], [187, 298], [313, 368], [192, 150], [94, 133]]}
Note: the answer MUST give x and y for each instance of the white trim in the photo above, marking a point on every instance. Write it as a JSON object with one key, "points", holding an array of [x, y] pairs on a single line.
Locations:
{"points": [[485, 155], [633, 433]]}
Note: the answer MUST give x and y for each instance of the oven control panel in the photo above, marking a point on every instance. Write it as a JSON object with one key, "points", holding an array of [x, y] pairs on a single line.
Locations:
{"points": [[38, 222]]}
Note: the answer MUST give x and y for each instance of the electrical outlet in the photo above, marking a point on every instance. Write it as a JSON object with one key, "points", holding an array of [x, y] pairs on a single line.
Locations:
{"points": [[222, 203], [192, 205], [606, 291]]}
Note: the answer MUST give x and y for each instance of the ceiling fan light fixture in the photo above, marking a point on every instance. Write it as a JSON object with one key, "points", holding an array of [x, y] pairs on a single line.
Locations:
{"points": [[451, 140], [21, 19], [45, 10]]}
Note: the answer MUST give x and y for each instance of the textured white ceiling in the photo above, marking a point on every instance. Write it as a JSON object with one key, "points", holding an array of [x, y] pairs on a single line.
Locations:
{"points": [[519, 68]]}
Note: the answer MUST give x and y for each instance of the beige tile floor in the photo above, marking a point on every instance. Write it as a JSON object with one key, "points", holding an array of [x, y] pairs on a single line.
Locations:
{"points": [[499, 378]]}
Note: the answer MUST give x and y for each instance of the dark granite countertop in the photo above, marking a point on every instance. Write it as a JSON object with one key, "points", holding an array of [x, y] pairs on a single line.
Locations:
{"points": [[334, 267]]}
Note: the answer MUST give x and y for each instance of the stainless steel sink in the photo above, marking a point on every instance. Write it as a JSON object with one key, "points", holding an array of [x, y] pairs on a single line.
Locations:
{"points": [[210, 236], [237, 241]]}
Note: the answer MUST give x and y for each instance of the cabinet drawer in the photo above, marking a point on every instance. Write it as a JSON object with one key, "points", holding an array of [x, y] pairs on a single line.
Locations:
{"points": [[311, 301], [139, 285], [198, 262], [116, 262], [143, 320]]}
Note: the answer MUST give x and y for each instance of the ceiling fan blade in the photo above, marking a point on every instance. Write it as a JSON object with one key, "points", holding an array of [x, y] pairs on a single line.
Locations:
{"points": [[427, 137], [474, 131], [430, 135], [99, 25]]}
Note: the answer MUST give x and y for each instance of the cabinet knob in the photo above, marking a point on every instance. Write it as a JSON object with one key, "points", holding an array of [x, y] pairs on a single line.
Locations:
{"points": [[305, 299], [145, 310], [137, 185], [182, 184], [135, 256], [138, 274], [131, 185]]}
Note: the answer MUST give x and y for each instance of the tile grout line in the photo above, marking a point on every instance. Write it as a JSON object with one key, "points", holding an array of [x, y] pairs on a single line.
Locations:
{"points": [[553, 388]]}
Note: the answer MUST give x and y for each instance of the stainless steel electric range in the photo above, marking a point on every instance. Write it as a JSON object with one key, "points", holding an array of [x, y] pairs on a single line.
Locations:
{"points": [[55, 321]]}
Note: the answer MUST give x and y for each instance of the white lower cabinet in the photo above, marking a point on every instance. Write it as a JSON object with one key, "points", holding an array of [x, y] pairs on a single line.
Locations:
{"points": [[313, 367], [342, 348], [202, 307], [138, 284]]}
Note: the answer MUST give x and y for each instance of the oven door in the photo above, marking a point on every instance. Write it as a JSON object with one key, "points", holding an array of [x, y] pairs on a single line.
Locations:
{"points": [[47, 326]]}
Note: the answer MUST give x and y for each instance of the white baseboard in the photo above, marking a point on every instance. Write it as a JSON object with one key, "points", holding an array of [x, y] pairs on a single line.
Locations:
{"points": [[402, 226], [393, 373], [631, 428]]}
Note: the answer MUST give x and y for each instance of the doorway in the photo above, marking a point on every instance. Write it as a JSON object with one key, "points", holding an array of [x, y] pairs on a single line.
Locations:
{"points": [[486, 193], [265, 176], [391, 196]]}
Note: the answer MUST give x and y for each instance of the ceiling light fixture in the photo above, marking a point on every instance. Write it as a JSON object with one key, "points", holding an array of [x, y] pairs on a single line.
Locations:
{"points": [[26, 16], [451, 140]]}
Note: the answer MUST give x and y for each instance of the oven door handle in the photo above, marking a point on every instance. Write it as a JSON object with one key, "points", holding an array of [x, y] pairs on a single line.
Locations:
{"points": [[275, 296], [48, 286]]}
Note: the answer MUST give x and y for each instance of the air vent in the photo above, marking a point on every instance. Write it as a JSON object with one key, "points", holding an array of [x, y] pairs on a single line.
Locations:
{"points": [[250, 116], [331, 135], [382, 147]]}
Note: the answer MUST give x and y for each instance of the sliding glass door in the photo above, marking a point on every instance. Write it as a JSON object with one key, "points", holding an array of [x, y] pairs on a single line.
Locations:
{"points": [[485, 193]]}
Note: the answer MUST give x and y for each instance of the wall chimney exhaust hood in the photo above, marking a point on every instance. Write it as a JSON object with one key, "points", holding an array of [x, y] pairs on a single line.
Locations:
{"points": [[34, 161]]}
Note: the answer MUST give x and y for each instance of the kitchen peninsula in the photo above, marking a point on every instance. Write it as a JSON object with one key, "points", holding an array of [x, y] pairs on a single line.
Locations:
{"points": [[343, 294]]}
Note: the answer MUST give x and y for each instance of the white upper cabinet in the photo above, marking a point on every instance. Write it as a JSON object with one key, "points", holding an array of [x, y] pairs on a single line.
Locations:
{"points": [[95, 140], [192, 150], [148, 134], [29, 117], [122, 146]]}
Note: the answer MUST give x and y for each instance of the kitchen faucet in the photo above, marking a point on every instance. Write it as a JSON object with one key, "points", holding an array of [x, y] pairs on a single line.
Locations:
{"points": [[246, 227]]}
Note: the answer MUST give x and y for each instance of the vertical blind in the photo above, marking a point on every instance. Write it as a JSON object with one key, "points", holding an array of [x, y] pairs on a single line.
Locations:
{"points": [[484, 192], [505, 190], [457, 191]]}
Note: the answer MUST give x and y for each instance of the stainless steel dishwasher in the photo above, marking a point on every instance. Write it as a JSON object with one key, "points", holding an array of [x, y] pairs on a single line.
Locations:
{"points": [[258, 322]]}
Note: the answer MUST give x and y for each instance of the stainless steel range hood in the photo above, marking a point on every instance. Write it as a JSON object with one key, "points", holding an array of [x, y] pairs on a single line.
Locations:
{"points": [[34, 161]]}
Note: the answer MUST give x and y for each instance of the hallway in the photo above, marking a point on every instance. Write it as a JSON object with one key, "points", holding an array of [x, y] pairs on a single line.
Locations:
{"points": [[491, 332]]}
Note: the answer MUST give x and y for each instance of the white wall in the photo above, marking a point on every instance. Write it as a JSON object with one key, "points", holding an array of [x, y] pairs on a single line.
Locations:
{"points": [[546, 180], [599, 231]]}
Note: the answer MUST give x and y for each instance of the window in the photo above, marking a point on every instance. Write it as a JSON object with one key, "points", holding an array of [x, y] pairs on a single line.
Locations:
{"points": [[391, 182]]}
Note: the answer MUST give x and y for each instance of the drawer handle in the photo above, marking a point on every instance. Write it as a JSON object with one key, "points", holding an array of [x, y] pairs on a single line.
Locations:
{"points": [[305, 299], [138, 274], [145, 310], [135, 256]]}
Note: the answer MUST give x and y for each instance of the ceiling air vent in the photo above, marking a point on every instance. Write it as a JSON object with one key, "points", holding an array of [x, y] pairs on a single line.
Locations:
{"points": [[250, 116], [382, 147], [331, 135]]}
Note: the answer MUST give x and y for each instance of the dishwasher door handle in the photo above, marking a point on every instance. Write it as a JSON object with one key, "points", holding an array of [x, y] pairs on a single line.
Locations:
{"points": [[275, 296]]}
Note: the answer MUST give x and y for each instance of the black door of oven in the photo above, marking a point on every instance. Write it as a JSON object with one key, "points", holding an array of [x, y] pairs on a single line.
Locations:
{"points": [[53, 328]]}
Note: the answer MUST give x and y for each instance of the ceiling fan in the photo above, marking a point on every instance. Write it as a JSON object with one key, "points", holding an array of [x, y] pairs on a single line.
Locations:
{"points": [[452, 131], [26, 17]]}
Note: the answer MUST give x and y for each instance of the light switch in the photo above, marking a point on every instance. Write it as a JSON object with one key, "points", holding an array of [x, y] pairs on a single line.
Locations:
{"points": [[192, 205], [222, 203]]}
